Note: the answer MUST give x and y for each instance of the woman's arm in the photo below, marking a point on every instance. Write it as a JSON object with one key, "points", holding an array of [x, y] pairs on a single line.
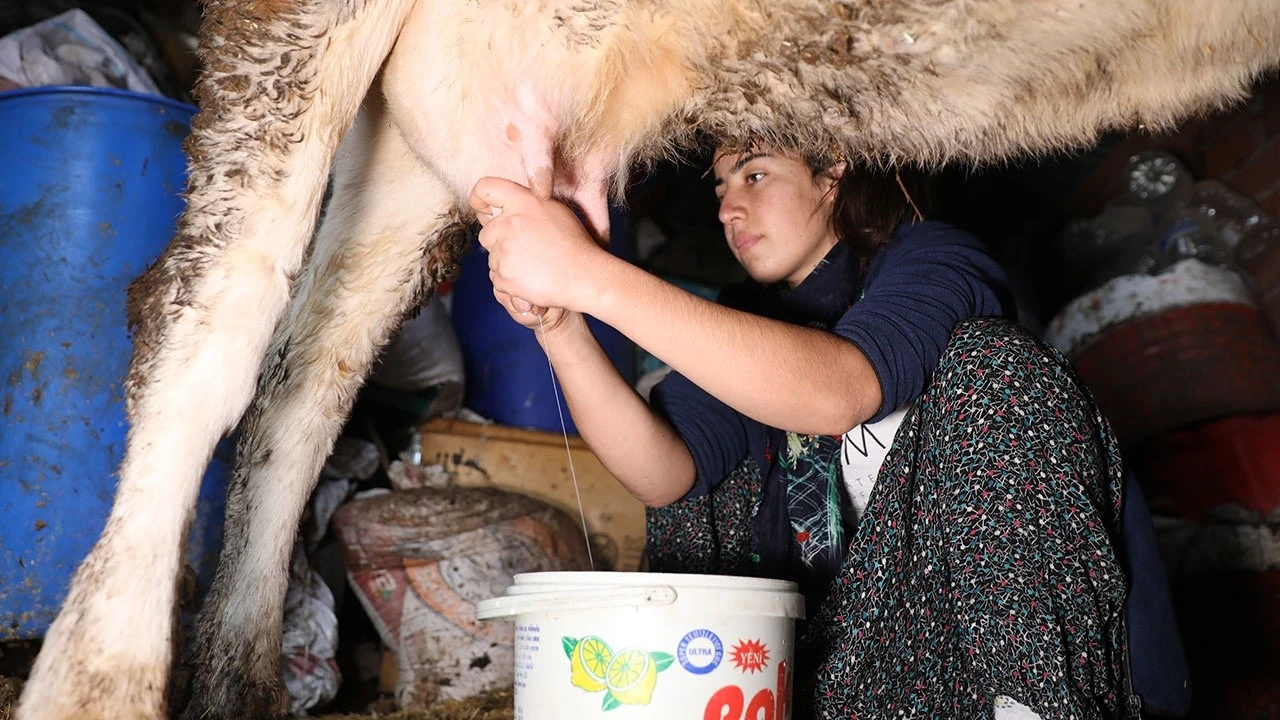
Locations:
{"points": [[782, 375], [794, 378], [632, 441], [931, 278]]}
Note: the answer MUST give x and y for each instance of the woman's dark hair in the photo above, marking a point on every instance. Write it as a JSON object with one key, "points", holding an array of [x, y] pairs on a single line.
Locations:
{"points": [[872, 201]]}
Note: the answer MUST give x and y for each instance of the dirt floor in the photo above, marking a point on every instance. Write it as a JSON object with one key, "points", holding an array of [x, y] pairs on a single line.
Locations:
{"points": [[492, 706], [16, 658], [496, 705]]}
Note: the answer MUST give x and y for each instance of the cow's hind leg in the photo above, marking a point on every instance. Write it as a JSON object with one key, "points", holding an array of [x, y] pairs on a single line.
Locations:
{"points": [[282, 83], [388, 236]]}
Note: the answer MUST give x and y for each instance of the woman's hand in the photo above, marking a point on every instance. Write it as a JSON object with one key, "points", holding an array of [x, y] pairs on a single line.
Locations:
{"points": [[539, 252], [543, 321]]}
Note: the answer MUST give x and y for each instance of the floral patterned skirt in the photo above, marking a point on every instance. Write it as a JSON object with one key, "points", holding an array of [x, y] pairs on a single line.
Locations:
{"points": [[984, 565]]}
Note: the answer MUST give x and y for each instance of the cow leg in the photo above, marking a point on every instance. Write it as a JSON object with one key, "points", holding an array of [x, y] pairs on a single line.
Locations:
{"points": [[390, 234], [283, 81]]}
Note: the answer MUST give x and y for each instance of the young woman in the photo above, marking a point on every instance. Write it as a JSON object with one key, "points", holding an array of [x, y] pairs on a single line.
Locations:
{"points": [[858, 418]]}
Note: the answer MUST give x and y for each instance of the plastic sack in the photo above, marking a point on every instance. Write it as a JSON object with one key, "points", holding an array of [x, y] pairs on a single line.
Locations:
{"points": [[424, 353], [70, 49], [310, 644], [419, 560]]}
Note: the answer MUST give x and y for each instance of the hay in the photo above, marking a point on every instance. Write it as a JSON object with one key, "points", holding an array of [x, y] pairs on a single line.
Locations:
{"points": [[495, 705], [10, 689]]}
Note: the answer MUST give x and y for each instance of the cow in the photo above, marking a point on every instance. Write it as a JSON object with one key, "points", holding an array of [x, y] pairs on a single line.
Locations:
{"points": [[254, 317]]}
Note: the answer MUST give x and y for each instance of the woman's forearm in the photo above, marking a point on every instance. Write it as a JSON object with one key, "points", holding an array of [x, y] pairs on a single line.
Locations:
{"points": [[632, 441], [795, 378]]}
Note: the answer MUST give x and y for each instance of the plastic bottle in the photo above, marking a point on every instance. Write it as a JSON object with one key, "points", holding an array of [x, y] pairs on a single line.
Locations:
{"points": [[1158, 180], [1256, 248], [1119, 241], [1122, 225], [1188, 233], [1081, 242], [1231, 213]]}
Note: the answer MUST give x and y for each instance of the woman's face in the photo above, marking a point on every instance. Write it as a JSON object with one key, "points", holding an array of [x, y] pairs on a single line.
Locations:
{"points": [[776, 215]]}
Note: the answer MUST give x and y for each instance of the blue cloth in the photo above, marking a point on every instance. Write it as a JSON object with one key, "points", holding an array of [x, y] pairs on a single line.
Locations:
{"points": [[928, 280], [1157, 663]]}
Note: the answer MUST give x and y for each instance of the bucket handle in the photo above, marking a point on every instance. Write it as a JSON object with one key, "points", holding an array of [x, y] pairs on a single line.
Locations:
{"points": [[595, 599]]}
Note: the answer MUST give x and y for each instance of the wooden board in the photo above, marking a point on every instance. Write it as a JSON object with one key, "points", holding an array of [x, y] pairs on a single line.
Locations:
{"points": [[535, 463]]}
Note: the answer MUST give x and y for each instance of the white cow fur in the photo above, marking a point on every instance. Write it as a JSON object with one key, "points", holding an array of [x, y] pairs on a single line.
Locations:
{"points": [[563, 95]]}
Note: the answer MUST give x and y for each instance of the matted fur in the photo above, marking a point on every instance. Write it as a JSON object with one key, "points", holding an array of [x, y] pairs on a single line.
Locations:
{"points": [[566, 96], [981, 81]]}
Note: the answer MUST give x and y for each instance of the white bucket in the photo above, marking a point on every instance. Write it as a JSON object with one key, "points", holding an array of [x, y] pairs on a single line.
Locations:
{"points": [[650, 645]]}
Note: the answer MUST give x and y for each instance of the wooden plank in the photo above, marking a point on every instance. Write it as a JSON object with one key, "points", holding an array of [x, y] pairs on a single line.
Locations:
{"points": [[502, 432], [535, 463], [390, 673]]}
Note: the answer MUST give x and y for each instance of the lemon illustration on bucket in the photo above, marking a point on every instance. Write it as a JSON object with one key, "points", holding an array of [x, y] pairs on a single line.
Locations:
{"points": [[588, 662], [628, 676]]}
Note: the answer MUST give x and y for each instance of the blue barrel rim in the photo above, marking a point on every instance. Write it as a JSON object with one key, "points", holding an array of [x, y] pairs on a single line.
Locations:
{"points": [[91, 90]]}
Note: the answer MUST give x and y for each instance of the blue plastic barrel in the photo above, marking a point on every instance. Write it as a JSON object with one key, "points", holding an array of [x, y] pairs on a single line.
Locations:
{"points": [[89, 194], [507, 379]]}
